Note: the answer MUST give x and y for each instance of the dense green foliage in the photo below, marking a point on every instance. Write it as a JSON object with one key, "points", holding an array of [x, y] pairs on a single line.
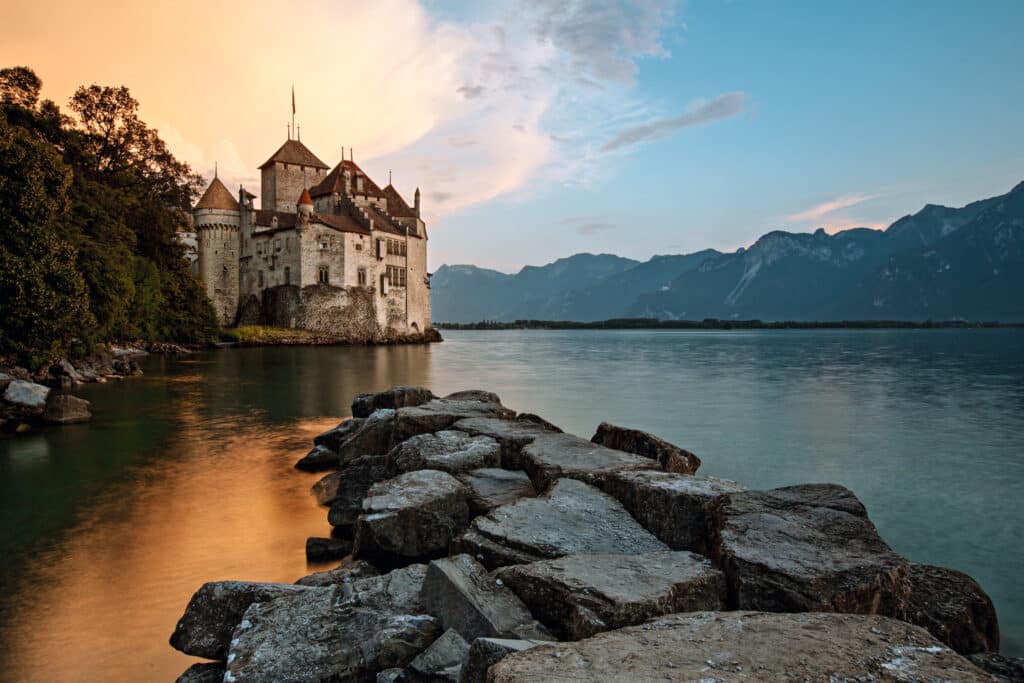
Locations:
{"points": [[89, 207]]}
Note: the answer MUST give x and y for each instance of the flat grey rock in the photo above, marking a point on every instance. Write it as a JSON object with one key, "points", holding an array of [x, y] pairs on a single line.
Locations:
{"points": [[492, 487], [363, 405], [399, 591], [672, 458], [345, 573], [448, 450], [745, 646], [441, 662], [460, 593], [581, 595], [677, 508], [511, 435], [204, 630], [554, 456], [415, 515], [572, 518], [26, 395], [485, 652]]}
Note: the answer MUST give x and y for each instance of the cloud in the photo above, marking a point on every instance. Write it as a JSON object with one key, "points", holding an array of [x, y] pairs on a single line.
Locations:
{"points": [[471, 92], [815, 213], [587, 225], [721, 107]]}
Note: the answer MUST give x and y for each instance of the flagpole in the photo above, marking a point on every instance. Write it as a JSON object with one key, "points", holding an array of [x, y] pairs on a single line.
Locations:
{"points": [[293, 107]]}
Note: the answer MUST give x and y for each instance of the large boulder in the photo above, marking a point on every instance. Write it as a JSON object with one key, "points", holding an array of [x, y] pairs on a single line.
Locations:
{"points": [[1002, 669], [352, 487], [332, 439], [448, 450], [553, 456], [746, 646], [325, 490], [485, 652], [396, 397], [318, 459], [572, 518], [580, 595], [416, 515], [459, 592], [492, 487], [327, 549], [399, 591], [511, 435], [679, 509], [203, 672], [478, 395], [25, 400], [204, 630], [63, 409], [808, 548], [672, 458], [319, 636], [439, 663], [954, 609], [345, 573]]}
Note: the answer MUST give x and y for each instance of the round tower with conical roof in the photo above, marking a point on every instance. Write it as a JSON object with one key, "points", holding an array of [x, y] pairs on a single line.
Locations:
{"points": [[217, 220]]}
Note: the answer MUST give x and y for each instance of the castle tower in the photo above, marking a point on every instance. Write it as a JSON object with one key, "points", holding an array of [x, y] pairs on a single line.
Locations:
{"points": [[291, 169], [305, 205], [217, 218]]}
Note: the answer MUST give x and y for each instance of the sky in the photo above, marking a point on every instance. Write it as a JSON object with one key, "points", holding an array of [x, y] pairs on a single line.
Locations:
{"points": [[537, 129]]}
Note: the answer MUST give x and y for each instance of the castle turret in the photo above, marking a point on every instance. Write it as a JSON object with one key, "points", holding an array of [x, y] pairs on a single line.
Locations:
{"points": [[305, 204], [291, 168], [217, 218]]}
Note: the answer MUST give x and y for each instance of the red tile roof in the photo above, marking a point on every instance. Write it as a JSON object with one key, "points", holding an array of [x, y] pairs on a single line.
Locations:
{"points": [[396, 205], [294, 152], [334, 182], [217, 197], [305, 199]]}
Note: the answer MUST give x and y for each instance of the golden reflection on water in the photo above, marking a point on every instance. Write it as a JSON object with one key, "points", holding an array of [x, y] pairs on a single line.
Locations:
{"points": [[107, 598]]}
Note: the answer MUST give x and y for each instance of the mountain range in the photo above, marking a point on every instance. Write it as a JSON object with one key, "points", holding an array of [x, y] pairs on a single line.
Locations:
{"points": [[940, 263]]}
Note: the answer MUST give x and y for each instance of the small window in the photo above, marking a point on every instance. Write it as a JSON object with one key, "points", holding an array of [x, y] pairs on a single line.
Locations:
{"points": [[362, 277], [259, 278], [323, 275], [287, 275], [359, 246], [277, 245]]}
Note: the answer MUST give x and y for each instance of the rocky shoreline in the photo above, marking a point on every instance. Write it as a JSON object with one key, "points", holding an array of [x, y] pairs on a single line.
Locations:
{"points": [[479, 544]]}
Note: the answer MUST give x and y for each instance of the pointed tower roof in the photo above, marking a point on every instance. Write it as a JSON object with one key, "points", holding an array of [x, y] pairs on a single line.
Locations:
{"points": [[397, 206], [305, 199], [217, 197], [294, 152]]}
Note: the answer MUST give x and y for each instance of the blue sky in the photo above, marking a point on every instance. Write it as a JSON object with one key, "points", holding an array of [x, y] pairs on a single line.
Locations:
{"points": [[874, 108]]}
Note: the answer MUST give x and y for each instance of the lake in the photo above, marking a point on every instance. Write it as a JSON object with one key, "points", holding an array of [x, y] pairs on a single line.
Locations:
{"points": [[186, 475]]}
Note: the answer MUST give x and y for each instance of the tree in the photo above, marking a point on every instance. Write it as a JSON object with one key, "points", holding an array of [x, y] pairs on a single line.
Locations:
{"points": [[20, 86]]}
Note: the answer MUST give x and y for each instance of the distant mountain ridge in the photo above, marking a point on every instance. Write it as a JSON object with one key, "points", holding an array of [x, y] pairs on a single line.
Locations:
{"points": [[939, 263]]}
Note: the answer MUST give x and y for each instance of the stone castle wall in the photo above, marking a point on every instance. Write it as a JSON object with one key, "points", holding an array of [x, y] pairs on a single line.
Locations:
{"points": [[282, 184]]}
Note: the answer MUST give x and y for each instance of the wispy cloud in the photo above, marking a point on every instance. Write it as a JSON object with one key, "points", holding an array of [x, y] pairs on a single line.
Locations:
{"points": [[721, 107], [819, 211], [588, 225]]}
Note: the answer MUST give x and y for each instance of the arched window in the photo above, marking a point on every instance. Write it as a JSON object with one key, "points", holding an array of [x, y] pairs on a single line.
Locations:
{"points": [[323, 275]]}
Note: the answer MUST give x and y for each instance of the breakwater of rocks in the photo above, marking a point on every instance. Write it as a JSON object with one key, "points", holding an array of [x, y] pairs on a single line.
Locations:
{"points": [[480, 544]]}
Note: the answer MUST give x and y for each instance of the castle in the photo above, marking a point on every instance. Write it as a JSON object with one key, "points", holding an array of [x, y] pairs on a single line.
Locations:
{"points": [[328, 251]]}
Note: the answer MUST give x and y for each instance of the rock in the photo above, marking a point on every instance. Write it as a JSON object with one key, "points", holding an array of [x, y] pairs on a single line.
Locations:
{"points": [[490, 553], [65, 368], [318, 636], [27, 396], [492, 487], [474, 395], [398, 591], [449, 451], [214, 611], [537, 420], [390, 675], [5, 379], [327, 549], [572, 518], [1003, 669], [353, 486], [63, 409], [580, 595], [318, 459], [332, 439], [679, 509], [415, 515], [460, 593], [746, 646], [511, 435], [808, 548], [439, 414], [344, 573], [325, 489], [954, 609], [396, 397], [552, 456], [204, 672], [442, 661], [485, 652], [672, 458]]}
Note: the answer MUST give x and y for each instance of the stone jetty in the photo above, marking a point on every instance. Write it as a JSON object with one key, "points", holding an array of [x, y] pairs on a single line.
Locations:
{"points": [[490, 546]]}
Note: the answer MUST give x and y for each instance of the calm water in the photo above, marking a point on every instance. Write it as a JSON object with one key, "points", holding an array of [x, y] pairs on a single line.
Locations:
{"points": [[185, 476]]}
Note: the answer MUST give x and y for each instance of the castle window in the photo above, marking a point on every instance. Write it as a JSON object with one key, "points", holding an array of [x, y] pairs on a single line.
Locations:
{"points": [[277, 245], [362, 277], [287, 275], [396, 276], [323, 275], [259, 278], [359, 246]]}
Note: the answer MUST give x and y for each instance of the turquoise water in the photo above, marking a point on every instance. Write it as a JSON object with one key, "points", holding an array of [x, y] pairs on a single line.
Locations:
{"points": [[185, 475]]}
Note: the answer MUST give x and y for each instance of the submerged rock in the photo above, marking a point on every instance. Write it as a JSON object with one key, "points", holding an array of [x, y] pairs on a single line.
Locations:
{"points": [[679, 509], [953, 607], [214, 611], [345, 573], [63, 409], [746, 646], [460, 593], [808, 548], [580, 595], [449, 451], [332, 439], [485, 652], [572, 518], [491, 487], [415, 515], [318, 459], [553, 456], [204, 672], [672, 458], [318, 636], [325, 490], [396, 397]]}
